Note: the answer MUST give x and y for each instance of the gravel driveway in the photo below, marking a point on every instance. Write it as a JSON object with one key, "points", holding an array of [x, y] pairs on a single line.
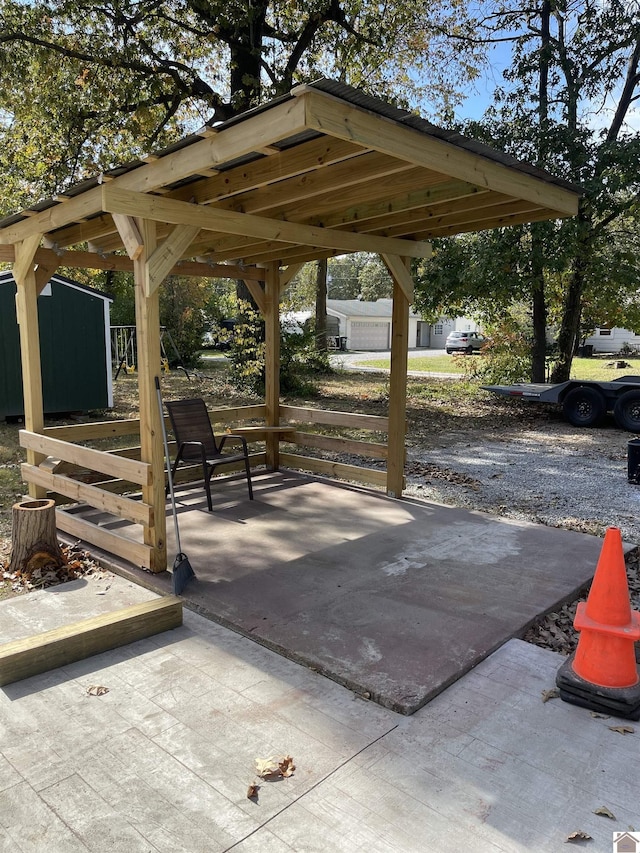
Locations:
{"points": [[552, 474]]}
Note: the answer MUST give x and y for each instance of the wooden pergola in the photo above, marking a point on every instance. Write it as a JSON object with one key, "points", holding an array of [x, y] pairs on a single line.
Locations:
{"points": [[323, 171]]}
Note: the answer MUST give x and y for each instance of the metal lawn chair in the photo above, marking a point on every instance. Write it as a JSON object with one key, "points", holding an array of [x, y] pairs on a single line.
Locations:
{"points": [[196, 442]]}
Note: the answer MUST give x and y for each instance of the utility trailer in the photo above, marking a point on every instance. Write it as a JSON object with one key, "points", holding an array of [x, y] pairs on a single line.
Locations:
{"points": [[584, 402]]}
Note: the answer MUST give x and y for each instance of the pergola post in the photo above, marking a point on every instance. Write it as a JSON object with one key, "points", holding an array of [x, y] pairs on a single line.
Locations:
{"points": [[147, 303], [28, 287], [272, 361], [402, 294]]}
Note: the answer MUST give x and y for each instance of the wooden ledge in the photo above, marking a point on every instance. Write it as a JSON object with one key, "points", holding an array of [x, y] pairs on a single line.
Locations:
{"points": [[33, 655], [256, 433]]}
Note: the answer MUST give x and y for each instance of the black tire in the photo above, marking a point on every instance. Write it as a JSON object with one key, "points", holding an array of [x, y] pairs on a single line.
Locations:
{"points": [[449, 351], [584, 406], [627, 411], [469, 350]]}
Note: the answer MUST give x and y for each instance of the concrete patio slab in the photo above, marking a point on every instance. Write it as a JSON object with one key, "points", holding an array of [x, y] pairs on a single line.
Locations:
{"points": [[395, 599], [162, 761]]}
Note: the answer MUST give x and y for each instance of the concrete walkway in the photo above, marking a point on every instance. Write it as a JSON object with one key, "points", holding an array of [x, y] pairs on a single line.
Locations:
{"points": [[163, 760]]}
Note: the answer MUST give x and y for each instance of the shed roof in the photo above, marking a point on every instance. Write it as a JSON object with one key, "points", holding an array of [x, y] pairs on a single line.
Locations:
{"points": [[7, 278], [321, 171]]}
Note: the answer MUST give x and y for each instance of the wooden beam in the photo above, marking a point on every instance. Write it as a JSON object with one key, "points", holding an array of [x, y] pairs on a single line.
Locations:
{"points": [[257, 293], [49, 650], [122, 507], [130, 235], [400, 274], [27, 316], [398, 388], [25, 255], [87, 457], [287, 274], [44, 275], [430, 198], [340, 178], [280, 122], [147, 307], [355, 473], [333, 116], [165, 256], [247, 225], [299, 160], [272, 362], [107, 540]]}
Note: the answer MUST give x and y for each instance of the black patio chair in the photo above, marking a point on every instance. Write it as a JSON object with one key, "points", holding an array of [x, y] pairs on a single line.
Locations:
{"points": [[196, 442]]}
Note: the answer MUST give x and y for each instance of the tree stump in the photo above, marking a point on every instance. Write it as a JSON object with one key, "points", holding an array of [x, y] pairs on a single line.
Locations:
{"points": [[34, 539]]}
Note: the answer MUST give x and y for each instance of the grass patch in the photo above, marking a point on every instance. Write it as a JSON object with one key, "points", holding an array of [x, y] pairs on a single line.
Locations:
{"points": [[582, 368]]}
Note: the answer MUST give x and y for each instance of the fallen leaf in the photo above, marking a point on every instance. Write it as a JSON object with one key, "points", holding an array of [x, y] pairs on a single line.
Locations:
{"points": [[600, 716], [604, 811], [623, 730], [578, 835], [550, 694], [97, 690], [252, 792], [287, 766], [266, 767]]}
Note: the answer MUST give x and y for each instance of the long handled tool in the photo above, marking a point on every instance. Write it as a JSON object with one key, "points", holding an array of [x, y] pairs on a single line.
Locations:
{"points": [[182, 571]]}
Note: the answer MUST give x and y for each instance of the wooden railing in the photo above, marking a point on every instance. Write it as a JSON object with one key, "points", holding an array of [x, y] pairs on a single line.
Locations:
{"points": [[110, 480], [336, 444]]}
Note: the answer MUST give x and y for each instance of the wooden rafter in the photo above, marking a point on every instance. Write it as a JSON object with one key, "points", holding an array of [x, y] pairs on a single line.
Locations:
{"points": [[328, 114]]}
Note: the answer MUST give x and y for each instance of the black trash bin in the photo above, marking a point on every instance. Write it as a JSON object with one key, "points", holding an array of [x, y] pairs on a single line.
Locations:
{"points": [[633, 461]]}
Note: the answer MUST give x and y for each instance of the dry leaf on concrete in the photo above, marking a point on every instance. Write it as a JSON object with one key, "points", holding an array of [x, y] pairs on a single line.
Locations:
{"points": [[550, 694], [286, 766], [267, 767], [600, 716], [604, 811], [252, 792], [578, 835], [623, 730], [275, 768], [97, 690]]}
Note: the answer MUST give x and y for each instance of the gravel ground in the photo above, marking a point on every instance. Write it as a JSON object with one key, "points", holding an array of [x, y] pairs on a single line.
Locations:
{"points": [[553, 474]]}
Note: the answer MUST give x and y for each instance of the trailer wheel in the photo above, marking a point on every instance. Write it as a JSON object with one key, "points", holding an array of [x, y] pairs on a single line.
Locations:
{"points": [[627, 411], [584, 406]]}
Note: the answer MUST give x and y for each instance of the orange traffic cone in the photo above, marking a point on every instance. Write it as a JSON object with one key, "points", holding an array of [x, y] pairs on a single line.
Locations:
{"points": [[603, 674]]}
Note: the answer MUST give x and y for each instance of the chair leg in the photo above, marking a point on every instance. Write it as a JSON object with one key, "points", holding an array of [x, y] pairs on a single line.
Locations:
{"points": [[207, 485], [250, 487]]}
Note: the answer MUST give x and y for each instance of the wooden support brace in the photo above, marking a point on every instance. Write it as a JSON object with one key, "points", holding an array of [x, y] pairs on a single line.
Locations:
{"points": [[169, 252], [131, 237]]}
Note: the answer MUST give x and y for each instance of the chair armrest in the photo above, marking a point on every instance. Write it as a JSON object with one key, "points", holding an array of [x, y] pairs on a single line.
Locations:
{"points": [[230, 437]]}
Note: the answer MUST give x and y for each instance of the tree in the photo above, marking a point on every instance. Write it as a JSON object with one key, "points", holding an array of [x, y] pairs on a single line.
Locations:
{"points": [[374, 280], [112, 80], [574, 79]]}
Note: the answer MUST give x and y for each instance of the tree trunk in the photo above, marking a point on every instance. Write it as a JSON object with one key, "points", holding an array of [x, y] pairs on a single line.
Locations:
{"points": [[569, 333], [34, 539], [321, 305], [538, 305]]}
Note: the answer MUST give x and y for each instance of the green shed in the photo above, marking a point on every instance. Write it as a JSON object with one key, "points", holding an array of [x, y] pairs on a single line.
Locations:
{"points": [[75, 348]]}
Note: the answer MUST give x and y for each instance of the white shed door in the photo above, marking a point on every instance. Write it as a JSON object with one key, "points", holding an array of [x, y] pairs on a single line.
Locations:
{"points": [[366, 335]]}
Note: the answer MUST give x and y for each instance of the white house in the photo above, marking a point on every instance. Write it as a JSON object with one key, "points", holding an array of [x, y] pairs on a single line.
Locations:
{"points": [[367, 325], [605, 339]]}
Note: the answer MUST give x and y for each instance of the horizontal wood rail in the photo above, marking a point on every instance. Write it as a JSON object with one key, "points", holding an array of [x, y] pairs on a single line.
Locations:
{"points": [[117, 466], [340, 445], [369, 476], [113, 543], [375, 423], [123, 507]]}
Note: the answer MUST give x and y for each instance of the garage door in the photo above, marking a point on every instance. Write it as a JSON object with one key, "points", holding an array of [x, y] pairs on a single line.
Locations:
{"points": [[369, 335]]}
